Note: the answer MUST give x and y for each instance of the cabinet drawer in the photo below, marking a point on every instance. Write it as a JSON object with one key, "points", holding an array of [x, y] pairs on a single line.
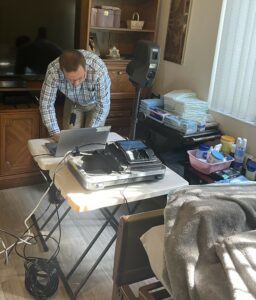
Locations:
{"points": [[120, 107], [120, 82], [118, 122], [121, 103], [16, 129]]}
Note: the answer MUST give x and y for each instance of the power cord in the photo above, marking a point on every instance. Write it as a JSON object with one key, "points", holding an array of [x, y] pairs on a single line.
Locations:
{"points": [[6, 250], [41, 276], [90, 144], [27, 234], [23, 235]]}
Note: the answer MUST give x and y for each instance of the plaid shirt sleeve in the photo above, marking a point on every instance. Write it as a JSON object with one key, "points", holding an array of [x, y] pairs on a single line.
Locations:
{"points": [[102, 91], [47, 100]]}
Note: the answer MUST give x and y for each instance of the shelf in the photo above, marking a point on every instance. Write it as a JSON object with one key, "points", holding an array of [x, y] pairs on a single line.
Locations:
{"points": [[121, 29], [30, 86], [116, 60]]}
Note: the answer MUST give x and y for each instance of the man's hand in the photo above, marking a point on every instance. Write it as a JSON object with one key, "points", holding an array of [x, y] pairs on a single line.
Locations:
{"points": [[56, 137]]}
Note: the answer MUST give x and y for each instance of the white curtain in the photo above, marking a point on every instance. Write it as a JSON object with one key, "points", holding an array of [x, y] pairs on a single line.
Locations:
{"points": [[233, 83]]}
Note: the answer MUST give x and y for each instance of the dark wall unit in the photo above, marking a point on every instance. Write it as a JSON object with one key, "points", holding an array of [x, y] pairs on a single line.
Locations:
{"points": [[33, 31]]}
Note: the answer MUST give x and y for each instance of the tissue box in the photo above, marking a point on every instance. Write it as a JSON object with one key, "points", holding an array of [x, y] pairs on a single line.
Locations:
{"points": [[157, 114]]}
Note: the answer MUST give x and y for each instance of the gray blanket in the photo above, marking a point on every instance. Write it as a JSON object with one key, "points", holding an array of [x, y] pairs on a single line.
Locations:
{"points": [[210, 248]]}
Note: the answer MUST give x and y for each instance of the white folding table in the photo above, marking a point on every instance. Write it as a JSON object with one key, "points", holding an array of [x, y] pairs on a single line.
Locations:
{"points": [[82, 200]]}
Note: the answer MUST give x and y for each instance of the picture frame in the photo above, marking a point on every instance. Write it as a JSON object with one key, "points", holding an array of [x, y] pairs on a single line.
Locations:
{"points": [[177, 30]]}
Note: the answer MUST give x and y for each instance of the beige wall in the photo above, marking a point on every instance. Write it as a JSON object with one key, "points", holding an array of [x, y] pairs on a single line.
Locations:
{"points": [[195, 72]]}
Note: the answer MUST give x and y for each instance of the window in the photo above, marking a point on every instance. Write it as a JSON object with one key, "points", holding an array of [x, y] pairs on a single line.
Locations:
{"points": [[233, 83]]}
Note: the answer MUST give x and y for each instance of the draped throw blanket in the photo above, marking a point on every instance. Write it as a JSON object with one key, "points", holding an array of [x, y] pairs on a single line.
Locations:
{"points": [[210, 245]]}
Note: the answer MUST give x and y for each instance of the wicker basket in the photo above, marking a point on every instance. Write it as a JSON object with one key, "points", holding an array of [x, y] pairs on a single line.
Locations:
{"points": [[135, 23]]}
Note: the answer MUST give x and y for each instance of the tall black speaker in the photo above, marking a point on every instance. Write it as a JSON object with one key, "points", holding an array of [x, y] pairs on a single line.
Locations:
{"points": [[142, 71]]}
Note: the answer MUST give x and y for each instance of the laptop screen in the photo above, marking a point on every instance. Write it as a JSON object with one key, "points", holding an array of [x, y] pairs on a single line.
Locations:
{"points": [[84, 139]]}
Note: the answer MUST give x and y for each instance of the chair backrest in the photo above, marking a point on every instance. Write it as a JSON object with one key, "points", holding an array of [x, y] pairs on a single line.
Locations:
{"points": [[131, 263]]}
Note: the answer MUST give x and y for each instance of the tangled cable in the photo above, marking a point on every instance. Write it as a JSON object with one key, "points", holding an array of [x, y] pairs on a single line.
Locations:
{"points": [[41, 277]]}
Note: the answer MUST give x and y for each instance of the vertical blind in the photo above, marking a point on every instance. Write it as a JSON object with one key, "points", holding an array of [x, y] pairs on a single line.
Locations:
{"points": [[233, 82]]}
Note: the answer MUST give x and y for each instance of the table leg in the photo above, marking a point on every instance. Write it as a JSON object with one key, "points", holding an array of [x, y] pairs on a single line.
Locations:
{"points": [[51, 215], [58, 223], [38, 234], [95, 265], [92, 242], [110, 219]]}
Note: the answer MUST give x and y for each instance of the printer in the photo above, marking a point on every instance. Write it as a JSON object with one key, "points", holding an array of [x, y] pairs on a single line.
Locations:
{"points": [[121, 162]]}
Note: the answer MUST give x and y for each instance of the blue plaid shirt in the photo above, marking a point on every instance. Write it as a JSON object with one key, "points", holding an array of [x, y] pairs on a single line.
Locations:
{"points": [[95, 89]]}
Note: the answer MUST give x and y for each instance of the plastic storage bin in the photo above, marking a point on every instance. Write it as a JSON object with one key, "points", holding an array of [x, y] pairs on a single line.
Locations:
{"points": [[93, 16], [104, 17], [117, 17], [205, 167]]}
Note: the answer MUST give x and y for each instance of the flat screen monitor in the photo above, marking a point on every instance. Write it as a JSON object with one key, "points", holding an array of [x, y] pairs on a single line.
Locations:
{"points": [[33, 33]]}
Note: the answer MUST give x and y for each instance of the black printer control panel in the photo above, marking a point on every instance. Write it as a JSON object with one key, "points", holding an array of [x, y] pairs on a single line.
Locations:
{"points": [[135, 151]]}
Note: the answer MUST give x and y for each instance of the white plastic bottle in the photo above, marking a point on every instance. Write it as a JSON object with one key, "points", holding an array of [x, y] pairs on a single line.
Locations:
{"points": [[241, 144]]}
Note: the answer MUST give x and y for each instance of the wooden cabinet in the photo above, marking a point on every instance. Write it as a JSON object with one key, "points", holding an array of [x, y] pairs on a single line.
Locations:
{"points": [[18, 124]]}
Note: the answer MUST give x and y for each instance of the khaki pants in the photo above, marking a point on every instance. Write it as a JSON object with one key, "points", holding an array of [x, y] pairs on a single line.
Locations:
{"points": [[83, 115]]}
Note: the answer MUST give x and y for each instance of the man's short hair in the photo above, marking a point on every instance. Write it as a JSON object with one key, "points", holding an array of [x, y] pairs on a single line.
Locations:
{"points": [[70, 60]]}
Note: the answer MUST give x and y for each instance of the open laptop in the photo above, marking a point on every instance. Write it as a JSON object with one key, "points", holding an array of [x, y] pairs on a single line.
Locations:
{"points": [[85, 139]]}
